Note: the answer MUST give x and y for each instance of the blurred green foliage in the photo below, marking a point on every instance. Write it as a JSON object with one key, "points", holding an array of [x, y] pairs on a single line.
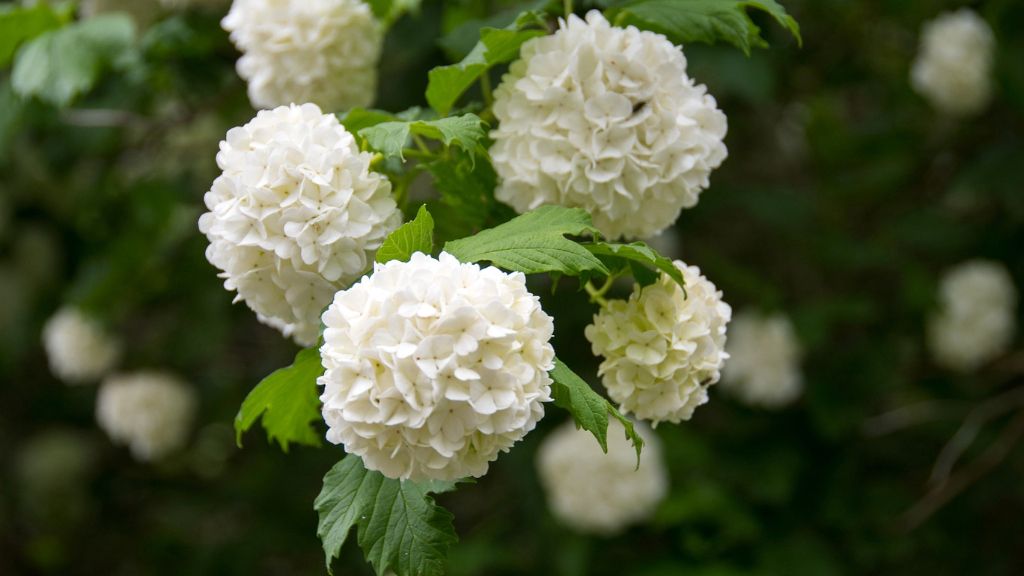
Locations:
{"points": [[844, 198]]}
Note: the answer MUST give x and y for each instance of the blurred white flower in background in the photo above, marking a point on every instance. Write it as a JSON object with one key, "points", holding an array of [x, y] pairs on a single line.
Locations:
{"points": [[976, 318], [295, 216], [600, 493], [150, 412], [434, 367], [763, 368], [295, 51], [953, 68], [78, 348], [663, 347], [605, 119]]}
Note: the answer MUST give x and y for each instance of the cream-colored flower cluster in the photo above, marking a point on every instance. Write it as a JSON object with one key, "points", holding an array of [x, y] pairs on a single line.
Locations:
{"points": [[953, 69], [605, 119], [763, 368], [596, 492], [79, 350], [434, 367], [296, 51], [296, 215], [150, 412], [663, 347], [976, 319]]}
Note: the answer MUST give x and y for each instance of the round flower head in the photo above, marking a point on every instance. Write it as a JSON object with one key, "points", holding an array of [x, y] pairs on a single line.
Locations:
{"points": [[595, 492], [296, 215], [78, 348], [764, 361], [150, 412], [953, 69], [605, 119], [434, 367], [663, 347], [319, 51], [976, 317]]}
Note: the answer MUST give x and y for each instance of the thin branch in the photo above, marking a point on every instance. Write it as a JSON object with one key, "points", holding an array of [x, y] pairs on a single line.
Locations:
{"points": [[968, 432], [910, 415], [940, 495]]}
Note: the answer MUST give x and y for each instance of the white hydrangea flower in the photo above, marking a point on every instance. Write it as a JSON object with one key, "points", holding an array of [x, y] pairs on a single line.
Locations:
{"points": [[319, 51], [296, 215], [953, 69], [78, 348], [976, 319], [150, 412], [662, 348], [605, 119], [434, 367], [595, 492], [764, 360]]}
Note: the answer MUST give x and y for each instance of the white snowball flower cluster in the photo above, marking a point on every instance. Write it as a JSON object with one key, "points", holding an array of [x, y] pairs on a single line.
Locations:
{"points": [[319, 51], [764, 360], [953, 69], [434, 367], [595, 492], [78, 348], [296, 215], [662, 348], [976, 319], [150, 412], [605, 119]]}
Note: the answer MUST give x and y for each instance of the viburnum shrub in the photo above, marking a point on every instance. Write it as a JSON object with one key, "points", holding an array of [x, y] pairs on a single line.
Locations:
{"points": [[428, 356]]}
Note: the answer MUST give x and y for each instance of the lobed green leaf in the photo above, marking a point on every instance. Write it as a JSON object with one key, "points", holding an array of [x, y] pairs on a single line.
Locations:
{"points": [[62, 64], [287, 401], [637, 252], [414, 236], [706, 21], [399, 525], [390, 138], [589, 409], [496, 46], [533, 243], [19, 25]]}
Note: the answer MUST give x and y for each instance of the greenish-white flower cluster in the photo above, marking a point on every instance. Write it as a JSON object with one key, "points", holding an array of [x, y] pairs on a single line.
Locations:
{"points": [[663, 347]]}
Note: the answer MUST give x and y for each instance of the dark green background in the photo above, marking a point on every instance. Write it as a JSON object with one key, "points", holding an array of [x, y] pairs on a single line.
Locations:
{"points": [[844, 198]]}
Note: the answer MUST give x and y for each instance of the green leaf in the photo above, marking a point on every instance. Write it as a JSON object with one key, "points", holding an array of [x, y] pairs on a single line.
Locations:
{"points": [[589, 409], [637, 252], [466, 186], [400, 527], [358, 118], [287, 400], [533, 243], [62, 64], [21, 24], [707, 21], [496, 46], [387, 11], [389, 138], [411, 237]]}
